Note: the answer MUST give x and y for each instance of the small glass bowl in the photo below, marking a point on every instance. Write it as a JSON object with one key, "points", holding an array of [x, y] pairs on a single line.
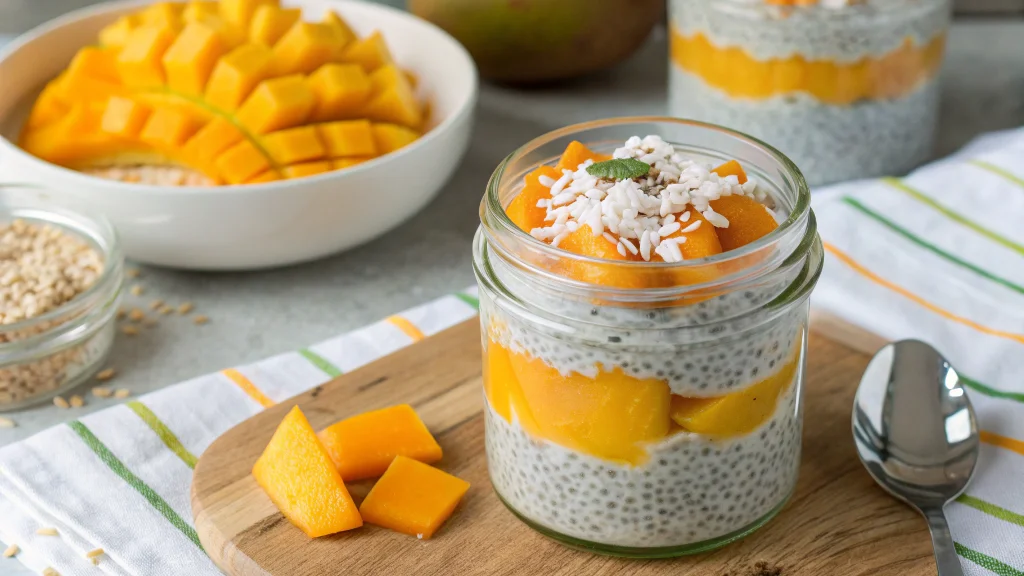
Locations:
{"points": [[46, 355]]}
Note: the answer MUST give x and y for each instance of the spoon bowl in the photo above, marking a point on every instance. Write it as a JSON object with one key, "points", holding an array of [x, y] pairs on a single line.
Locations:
{"points": [[916, 433]]}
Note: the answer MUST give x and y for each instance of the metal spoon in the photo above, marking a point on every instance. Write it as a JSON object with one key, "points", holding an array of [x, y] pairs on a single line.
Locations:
{"points": [[916, 434]]}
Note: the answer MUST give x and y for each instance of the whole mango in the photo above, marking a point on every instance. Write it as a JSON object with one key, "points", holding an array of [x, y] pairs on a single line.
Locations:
{"points": [[530, 41]]}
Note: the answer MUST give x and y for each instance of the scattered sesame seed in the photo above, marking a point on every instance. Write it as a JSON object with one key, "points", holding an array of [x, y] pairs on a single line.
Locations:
{"points": [[102, 392], [165, 310], [132, 273], [95, 561], [129, 330], [105, 374], [200, 319], [11, 550], [94, 553], [137, 290], [60, 402], [121, 313], [122, 393], [47, 531], [156, 304], [185, 308], [136, 315], [76, 401], [48, 571]]}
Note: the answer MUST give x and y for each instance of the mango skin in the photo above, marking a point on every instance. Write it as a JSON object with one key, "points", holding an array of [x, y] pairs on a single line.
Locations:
{"points": [[533, 41]]}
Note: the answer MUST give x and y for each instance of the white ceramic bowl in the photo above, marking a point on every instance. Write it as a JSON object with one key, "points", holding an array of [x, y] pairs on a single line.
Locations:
{"points": [[261, 225]]}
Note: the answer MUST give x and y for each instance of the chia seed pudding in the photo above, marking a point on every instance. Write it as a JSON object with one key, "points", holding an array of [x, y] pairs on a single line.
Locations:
{"points": [[644, 310], [846, 88]]}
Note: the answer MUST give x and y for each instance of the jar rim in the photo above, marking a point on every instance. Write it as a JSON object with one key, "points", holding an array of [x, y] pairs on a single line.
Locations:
{"points": [[69, 318], [492, 206]]}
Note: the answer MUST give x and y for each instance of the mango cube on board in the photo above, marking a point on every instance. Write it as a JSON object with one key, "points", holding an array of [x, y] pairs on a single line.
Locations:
{"points": [[412, 498], [298, 476], [363, 446]]}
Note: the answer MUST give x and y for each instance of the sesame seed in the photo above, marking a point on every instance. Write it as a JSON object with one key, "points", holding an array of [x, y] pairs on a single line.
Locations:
{"points": [[136, 315], [48, 571], [7, 423], [156, 304], [121, 313], [165, 310], [105, 374], [76, 401], [47, 531], [200, 319], [185, 308], [11, 550], [129, 330], [122, 393], [94, 553], [137, 290], [102, 392], [95, 561], [60, 402], [132, 273]]}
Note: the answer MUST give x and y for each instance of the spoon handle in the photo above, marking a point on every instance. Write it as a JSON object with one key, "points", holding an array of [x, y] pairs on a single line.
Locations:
{"points": [[945, 554]]}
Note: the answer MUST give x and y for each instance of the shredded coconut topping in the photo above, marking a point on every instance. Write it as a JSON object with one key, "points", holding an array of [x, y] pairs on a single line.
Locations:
{"points": [[638, 215]]}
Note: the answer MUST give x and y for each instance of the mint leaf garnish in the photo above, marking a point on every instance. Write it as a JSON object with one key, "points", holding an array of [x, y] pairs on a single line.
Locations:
{"points": [[619, 169]]}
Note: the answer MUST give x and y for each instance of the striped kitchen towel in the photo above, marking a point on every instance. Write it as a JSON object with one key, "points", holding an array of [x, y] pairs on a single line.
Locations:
{"points": [[119, 479], [939, 256]]}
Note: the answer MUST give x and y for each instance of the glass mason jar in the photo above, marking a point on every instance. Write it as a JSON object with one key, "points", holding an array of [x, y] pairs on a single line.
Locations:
{"points": [[847, 89], [659, 416]]}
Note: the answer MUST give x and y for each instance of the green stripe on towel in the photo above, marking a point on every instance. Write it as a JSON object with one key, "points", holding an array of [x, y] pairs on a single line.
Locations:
{"points": [[320, 362], [471, 300], [987, 562], [953, 215], [978, 386], [165, 433], [998, 171], [930, 247], [118, 467], [991, 509]]}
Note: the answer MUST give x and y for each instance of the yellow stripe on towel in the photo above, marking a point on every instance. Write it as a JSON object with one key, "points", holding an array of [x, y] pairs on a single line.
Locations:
{"points": [[1003, 442], [846, 259], [408, 327], [248, 387]]}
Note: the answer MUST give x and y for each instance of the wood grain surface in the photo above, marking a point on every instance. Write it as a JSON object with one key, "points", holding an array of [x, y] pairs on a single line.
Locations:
{"points": [[838, 523]]}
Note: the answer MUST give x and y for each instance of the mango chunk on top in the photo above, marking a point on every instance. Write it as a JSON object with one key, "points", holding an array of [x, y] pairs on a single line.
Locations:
{"points": [[139, 63], [413, 498], [294, 145], [348, 138], [299, 477], [191, 58], [269, 23], [124, 117], [575, 154], [370, 52], [363, 446], [240, 12], [304, 48], [340, 90], [390, 137], [237, 74]]}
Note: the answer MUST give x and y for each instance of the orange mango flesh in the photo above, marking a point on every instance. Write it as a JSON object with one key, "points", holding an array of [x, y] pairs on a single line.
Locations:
{"points": [[740, 75], [575, 154], [299, 477], [413, 498], [613, 416], [248, 64], [523, 209], [363, 446], [736, 413]]}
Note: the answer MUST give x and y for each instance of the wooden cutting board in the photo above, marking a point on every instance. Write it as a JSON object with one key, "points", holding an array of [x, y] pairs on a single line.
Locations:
{"points": [[837, 523]]}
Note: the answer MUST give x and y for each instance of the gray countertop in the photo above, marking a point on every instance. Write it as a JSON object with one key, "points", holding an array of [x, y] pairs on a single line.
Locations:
{"points": [[254, 315]]}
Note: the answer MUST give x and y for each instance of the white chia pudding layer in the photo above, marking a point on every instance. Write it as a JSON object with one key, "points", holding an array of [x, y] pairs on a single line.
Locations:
{"points": [[828, 143], [693, 488], [725, 362], [869, 29]]}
